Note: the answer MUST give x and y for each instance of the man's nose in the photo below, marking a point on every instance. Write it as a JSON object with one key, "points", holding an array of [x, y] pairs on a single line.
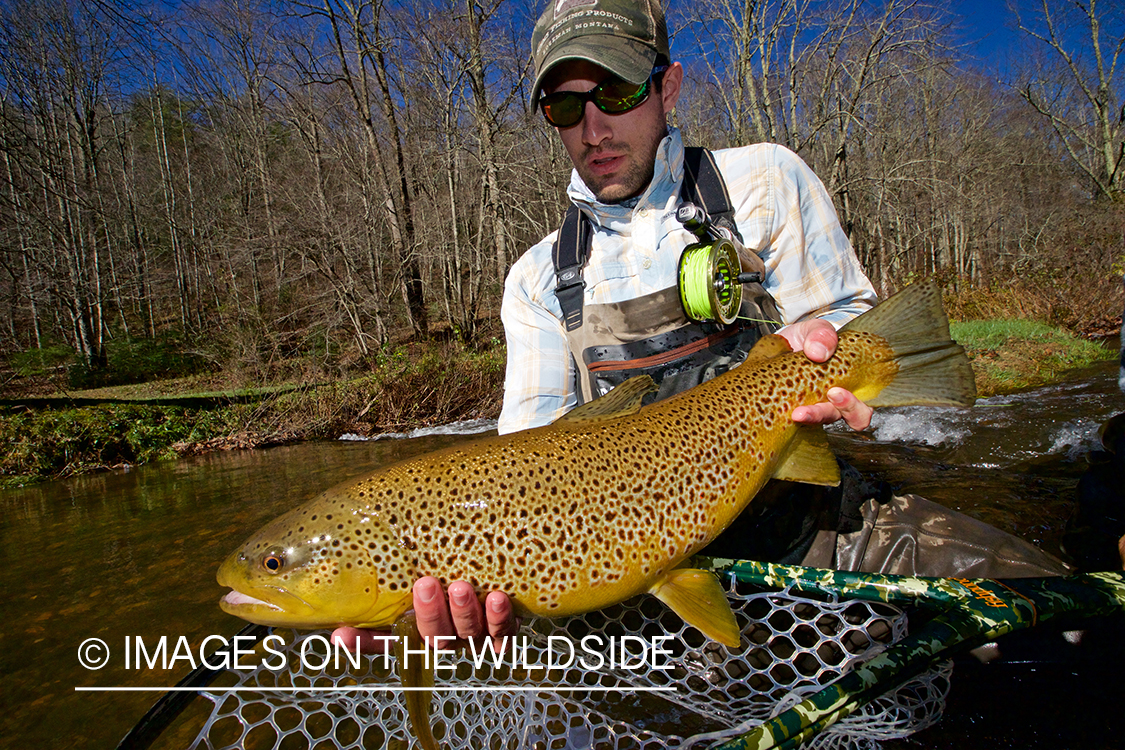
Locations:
{"points": [[595, 125]]}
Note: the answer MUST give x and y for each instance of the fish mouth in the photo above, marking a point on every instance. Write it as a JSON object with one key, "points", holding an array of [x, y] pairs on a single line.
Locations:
{"points": [[291, 611], [235, 599], [264, 605]]}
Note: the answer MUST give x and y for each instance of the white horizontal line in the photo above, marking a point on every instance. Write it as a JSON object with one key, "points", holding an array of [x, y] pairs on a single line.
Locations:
{"points": [[378, 689]]}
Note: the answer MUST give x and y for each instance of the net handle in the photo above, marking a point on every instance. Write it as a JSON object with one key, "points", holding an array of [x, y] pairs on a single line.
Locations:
{"points": [[172, 704], [977, 611]]}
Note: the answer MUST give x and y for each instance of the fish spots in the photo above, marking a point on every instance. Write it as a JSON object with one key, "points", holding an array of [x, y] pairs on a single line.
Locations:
{"points": [[550, 513]]}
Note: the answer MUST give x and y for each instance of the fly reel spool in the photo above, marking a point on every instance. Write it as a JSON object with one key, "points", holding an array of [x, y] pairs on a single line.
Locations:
{"points": [[710, 278]]}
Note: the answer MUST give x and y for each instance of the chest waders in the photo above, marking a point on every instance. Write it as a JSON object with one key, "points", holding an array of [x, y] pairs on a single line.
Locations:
{"points": [[653, 335]]}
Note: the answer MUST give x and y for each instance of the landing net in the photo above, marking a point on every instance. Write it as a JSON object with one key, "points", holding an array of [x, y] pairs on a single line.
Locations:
{"points": [[792, 646]]}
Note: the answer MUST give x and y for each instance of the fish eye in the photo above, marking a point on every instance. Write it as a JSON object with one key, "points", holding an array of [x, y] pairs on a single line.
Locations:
{"points": [[273, 562]]}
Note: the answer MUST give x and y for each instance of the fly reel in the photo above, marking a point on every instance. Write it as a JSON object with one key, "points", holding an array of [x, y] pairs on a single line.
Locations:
{"points": [[710, 278]]}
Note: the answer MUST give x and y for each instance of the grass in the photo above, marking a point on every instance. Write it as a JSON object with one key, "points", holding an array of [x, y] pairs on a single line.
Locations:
{"points": [[1009, 355], [50, 443]]}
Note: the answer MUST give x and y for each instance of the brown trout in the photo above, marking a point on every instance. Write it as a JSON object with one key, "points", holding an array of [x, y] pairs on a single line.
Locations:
{"points": [[599, 506]]}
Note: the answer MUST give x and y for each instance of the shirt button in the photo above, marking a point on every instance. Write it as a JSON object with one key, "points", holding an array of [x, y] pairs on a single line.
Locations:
{"points": [[647, 263]]}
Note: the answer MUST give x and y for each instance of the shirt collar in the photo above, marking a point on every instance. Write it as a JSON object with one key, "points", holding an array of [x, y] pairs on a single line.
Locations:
{"points": [[667, 177]]}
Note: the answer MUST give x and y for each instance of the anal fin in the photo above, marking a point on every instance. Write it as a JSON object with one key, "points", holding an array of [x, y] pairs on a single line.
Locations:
{"points": [[809, 459], [699, 600]]}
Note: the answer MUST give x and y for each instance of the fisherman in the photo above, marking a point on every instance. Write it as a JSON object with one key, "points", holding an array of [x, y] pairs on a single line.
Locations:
{"points": [[597, 302]]}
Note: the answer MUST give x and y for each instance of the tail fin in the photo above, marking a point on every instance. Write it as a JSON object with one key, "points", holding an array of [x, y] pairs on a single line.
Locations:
{"points": [[932, 368]]}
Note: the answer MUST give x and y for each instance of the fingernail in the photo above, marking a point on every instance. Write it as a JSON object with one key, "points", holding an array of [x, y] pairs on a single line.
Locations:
{"points": [[426, 591], [496, 605], [837, 396], [459, 597]]}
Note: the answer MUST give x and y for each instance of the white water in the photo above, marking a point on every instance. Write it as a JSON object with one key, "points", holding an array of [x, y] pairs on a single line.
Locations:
{"points": [[469, 427], [1059, 421]]}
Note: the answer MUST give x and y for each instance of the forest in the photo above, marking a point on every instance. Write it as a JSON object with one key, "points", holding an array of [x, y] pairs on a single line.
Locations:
{"points": [[259, 180]]}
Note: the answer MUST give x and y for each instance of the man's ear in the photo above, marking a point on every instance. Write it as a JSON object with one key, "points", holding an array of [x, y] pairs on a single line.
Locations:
{"points": [[670, 86]]}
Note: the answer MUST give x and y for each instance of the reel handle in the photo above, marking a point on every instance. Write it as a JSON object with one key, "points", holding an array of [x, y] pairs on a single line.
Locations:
{"points": [[696, 221]]}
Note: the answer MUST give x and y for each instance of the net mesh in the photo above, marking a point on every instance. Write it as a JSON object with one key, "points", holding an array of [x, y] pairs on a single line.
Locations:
{"points": [[792, 647]]}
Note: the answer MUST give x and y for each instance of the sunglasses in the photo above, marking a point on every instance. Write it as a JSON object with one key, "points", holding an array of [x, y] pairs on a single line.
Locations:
{"points": [[612, 96]]}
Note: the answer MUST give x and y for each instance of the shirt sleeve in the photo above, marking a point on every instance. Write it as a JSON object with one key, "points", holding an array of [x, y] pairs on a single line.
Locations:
{"points": [[539, 371], [811, 269]]}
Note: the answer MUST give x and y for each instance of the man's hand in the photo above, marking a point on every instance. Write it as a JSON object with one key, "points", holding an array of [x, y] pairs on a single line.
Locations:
{"points": [[462, 616], [818, 339]]}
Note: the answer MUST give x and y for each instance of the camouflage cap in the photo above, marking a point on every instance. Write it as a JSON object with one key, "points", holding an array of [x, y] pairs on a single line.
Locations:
{"points": [[622, 36]]}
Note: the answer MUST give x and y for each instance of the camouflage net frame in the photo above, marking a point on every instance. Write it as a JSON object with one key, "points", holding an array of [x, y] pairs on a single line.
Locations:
{"points": [[794, 646]]}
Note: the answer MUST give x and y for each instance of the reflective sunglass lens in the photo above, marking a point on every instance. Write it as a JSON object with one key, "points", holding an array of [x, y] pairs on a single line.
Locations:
{"points": [[620, 97], [563, 111], [565, 108]]}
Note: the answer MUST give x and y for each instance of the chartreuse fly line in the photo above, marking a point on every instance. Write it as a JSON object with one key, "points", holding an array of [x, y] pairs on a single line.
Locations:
{"points": [[709, 285]]}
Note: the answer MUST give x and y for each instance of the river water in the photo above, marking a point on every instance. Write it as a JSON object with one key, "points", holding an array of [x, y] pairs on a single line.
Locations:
{"points": [[134, 553]]}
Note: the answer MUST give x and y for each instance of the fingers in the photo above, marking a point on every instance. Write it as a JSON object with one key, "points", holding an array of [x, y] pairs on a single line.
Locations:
{"points": [[432, 611], [501, 619], [820, 342], [468, 615], [853, 411], [816, 338], [822, 413], [463, 616], [841, 404]]}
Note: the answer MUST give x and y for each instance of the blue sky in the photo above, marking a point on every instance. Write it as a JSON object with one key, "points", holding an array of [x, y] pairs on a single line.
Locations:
{"points": [[988, 28]]}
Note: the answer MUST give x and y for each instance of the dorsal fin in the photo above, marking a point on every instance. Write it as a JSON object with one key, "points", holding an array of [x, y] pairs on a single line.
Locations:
{"points": [[623, 400], [768, 347]]}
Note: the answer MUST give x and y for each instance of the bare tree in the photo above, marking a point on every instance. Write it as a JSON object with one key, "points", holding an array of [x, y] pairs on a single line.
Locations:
{"points": [[362, 45], [1078, 87], [56, 63]]}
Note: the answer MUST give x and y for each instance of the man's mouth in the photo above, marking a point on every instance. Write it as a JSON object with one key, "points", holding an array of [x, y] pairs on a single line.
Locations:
{"points": [[603, 164]]}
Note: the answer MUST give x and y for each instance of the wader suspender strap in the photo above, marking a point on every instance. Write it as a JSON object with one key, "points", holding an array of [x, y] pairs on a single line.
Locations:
{"points": [[569, 254], [703, 185]]}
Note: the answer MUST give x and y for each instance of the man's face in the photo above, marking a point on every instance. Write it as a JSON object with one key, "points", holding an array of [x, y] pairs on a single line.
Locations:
{"points": [[614, 154]]}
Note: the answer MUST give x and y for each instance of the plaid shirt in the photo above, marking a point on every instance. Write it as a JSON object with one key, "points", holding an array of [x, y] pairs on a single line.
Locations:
{"points": [[783, 212]]}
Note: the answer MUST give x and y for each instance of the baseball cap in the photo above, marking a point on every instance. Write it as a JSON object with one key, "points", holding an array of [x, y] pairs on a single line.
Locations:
{"points": [[622, 36]]}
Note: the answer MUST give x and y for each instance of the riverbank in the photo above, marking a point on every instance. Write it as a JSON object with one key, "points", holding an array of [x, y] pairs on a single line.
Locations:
{"points": [[1013, 355], [413, 386]]}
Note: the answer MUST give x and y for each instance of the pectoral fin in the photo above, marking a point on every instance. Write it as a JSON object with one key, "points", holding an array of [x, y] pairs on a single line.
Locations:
{"points": [[623, 400], [809, 459], [415, 670], [699, 600]]}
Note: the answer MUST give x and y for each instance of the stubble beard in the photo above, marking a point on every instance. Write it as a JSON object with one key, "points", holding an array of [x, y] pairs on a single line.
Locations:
{"points": [[636, 177]]}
